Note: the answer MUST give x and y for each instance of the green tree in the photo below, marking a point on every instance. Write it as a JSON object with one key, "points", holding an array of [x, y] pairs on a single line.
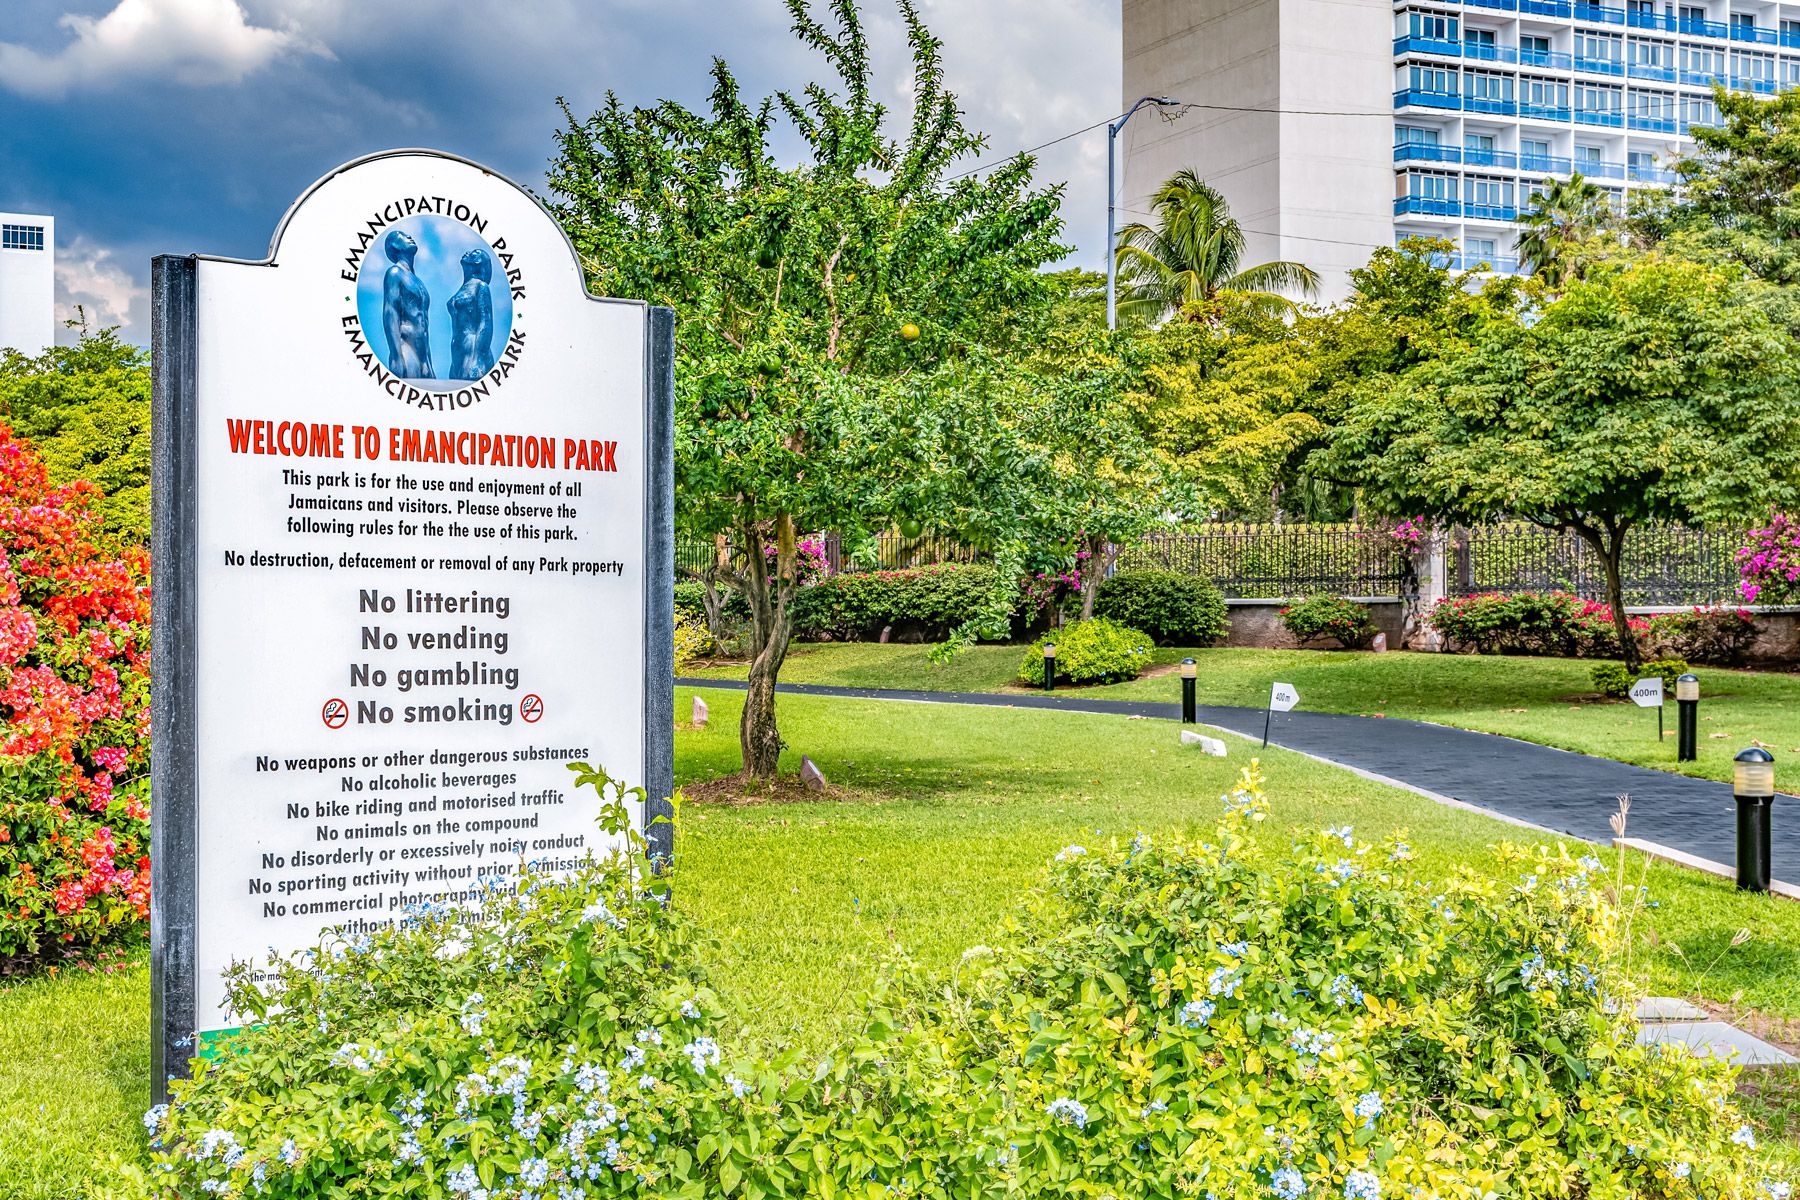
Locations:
{"points": [[87, 409], [827, 313], [1193, 253], [1649, 392], [1566, 216]]}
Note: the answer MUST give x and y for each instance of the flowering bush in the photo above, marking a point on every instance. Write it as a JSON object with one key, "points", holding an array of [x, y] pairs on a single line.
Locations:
{"points": [[810, 562], [1410, 532], [1720, 636], [74, 718], [1769, 564], [1330, 618], [1553, 623], [932, 601], [1175, 608], [1229, 1013], [1096, 651]]}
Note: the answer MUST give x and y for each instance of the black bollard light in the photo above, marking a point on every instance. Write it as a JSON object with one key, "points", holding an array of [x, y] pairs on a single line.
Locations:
{"points": [[1188, 671], [1687, 719], [1049, 666], [1753, 787]]}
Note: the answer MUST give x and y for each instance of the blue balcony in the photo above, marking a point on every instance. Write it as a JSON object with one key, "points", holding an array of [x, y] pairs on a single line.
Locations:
{"points": [[1790, 37], [1752, 33], [1415, 98], [1702, 78], [1486, 104], [1649, 175], [1652, 124], [1545, 164], [1543, 112], [1700, 28], [1490, 158], [1554, 59], [1425, 45], [1486, 53], [1599, 14], [1649, 20], [1594, 168], [1426, 152], [1647, 71], [1599, 66], [1502, 5], [1427, 205], [1747, 83], [1546, 8], [1612, 117], [1490, 212]]}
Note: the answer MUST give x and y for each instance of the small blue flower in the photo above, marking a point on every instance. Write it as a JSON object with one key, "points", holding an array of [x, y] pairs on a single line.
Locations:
{"points": [[1368, 1107], [1681, 1170], [1069, 853], [1342, 834], [1743, 1136], [1288, 1184], [1361, 1185], [1224, 982], [1068, 1111], [1343, 993], [1196, 1013]]}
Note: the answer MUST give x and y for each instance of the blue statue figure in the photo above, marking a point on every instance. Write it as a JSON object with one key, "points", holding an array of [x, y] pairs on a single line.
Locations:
{"points": [[472, 319], [406, 311]]}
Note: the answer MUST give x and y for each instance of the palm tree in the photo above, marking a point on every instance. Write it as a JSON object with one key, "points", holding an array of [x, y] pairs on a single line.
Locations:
{"points": [[1565, 216], [1195, 252]]}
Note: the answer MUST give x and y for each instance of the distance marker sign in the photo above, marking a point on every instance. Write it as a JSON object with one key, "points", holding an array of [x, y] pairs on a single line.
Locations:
{"points": [[413, 537]]}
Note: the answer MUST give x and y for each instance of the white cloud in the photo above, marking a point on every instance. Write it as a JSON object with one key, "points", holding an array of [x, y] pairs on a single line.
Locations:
{"points": [[90, 284], [193, 42]]}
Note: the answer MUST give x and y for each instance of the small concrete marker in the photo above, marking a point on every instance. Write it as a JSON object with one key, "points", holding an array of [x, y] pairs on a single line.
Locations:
{"points": [[1715, 1039], [1208, 745], [701, 712], [1669, 1008], [810, 774]]}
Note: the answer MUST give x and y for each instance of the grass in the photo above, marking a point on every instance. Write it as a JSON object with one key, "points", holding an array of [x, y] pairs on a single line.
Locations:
{"points": [[937, 819], [1545, 700]]}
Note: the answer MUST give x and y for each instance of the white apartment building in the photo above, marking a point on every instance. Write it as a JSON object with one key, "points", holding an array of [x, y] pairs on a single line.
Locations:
{"points": [[27, 282], [1335, 126]]}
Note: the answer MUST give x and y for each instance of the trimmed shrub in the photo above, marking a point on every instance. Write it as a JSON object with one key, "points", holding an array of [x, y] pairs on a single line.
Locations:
{"points": [[1217, 1012], [931, 601], [1096, 651], [1329, 618], [74, 718], [1721, 637], [691, 638], [1548, 623], [1612, 679], [1175, 609]]}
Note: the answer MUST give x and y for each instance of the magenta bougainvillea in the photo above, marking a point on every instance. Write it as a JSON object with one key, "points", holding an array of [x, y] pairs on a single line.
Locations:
{"points": [[74, 717], [1769, 564]]}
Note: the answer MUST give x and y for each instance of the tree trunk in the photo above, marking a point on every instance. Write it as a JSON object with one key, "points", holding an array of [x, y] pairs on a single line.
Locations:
{"points": [[1093, 571], [771, 627], [1609, 546], [713, 600]]}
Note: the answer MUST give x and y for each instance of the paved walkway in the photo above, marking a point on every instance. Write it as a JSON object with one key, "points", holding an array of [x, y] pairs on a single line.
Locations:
{"points": [[1556, 789]]}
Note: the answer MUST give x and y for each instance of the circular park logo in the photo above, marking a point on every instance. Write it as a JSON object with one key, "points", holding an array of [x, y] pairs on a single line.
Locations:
{"points": [[434, 308]]}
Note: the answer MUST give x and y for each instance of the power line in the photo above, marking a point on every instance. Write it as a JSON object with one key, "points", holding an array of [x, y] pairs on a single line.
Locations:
{"points": [[1033, 150]]}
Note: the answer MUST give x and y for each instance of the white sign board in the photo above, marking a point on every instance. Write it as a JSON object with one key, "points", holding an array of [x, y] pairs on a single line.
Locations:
{"points": [[1283, 697], [424, 553], [1648, 693]]}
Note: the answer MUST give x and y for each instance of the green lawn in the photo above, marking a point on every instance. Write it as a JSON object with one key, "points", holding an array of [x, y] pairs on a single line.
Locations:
{"points": [[1544, 700], [939, 817]]}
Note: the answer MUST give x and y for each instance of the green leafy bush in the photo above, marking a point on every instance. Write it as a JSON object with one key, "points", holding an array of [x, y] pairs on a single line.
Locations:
{"points": [[1721, 637], [1612, 679], [1552, 623], [1220, 1013], [1174, 608], [929, 602], [1330, 618], [1096, 651]]}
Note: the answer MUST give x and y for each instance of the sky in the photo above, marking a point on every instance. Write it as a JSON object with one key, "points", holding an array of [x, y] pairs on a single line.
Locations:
{"points": [[189, 126]]}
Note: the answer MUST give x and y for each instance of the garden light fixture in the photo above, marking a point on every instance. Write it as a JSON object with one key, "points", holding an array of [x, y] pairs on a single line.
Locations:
{"points": [[1687, 704], [1049, 666], [1189, 669], [1753, 787]]}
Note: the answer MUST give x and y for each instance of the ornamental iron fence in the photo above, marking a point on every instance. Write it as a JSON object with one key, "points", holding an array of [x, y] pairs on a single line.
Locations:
{"points": [[1663, 564], [884, 552], [1273, 562]]}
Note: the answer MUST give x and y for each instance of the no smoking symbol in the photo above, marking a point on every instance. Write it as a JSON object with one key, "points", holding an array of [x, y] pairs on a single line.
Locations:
{"points": [[531, 708], [335, 714]]}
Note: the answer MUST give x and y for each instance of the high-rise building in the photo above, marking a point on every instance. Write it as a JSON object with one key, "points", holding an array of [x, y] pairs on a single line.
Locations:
{"points": [[27, 282], [1335, 126]]}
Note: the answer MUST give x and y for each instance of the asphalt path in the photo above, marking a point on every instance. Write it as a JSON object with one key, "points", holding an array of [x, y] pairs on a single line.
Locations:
{"points": [[1558, 790]]}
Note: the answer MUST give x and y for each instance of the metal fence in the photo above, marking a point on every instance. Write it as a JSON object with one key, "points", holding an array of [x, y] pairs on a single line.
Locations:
{"points": [[885, 552], [1662, 564], [1253, 562]]}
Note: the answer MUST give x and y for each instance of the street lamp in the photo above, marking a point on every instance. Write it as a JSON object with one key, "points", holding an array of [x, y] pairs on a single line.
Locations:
{"points": [[1112, 196], [1753, 787], [1189, 669], [1687, 730], [1049, 666]]}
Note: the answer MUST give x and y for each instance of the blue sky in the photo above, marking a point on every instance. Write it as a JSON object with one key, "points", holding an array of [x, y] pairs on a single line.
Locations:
{"points": [[152, 126]]}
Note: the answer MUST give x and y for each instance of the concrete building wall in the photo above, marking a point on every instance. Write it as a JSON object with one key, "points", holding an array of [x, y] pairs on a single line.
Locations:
{"points": [[27, 283]]}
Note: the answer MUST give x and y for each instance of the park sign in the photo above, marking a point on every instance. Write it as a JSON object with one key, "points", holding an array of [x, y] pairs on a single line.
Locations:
{"points": [[414, 555]]}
